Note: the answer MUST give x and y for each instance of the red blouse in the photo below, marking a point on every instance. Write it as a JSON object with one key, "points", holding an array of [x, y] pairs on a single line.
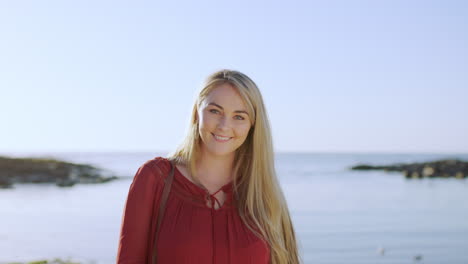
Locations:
{"points": [[191, 231]]}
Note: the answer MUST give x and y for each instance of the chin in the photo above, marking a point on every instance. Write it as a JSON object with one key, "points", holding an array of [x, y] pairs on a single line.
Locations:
{"points": [[221, 151]]}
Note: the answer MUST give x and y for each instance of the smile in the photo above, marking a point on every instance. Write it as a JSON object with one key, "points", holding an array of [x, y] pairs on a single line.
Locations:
{"points": [[221, 139]]}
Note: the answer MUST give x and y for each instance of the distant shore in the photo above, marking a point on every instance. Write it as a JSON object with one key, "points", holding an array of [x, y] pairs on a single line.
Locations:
{"points": [[53, 261], [44, 170], [435, 169]]}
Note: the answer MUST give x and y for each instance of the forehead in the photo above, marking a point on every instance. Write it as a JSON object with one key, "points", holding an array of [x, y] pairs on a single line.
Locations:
{"points": [[226, 96]]}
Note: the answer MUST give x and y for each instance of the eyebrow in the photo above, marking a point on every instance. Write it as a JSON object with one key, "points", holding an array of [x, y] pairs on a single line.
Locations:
{"points": [[237, 111]]}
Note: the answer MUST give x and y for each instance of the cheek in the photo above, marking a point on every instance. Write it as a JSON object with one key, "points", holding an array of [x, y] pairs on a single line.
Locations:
{"points": [[243, 131], [207, 123]]}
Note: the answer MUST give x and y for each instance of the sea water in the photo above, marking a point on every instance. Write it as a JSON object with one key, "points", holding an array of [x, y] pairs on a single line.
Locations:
{"points": [[340, 215]]}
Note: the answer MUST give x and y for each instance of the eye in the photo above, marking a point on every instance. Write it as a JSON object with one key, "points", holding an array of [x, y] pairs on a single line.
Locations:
{"points": [[238, 117], [214, 111]]}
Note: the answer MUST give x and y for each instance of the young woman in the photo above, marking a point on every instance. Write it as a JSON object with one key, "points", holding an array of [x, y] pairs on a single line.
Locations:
{"points": [[225, 204]]}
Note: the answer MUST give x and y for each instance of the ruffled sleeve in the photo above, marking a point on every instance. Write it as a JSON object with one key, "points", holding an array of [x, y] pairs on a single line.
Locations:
{"points": [[137, 226]]}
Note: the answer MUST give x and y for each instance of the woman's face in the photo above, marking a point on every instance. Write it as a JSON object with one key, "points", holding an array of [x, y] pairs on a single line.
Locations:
{"points": [[223, 121]]}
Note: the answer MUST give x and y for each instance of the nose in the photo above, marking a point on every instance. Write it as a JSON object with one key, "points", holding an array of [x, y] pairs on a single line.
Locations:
{"points": [[223, 123]]}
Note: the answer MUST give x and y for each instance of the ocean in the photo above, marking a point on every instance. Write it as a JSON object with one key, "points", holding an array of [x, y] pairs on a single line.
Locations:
{"points": [[340, 216]]}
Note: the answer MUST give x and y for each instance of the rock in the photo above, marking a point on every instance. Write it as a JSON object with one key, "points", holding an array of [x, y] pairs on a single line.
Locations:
{"points": [[54, 261], [5, 183], [428, 171], [381, 251], [418, 257], [441, 168], [406, 173], [363, 167], [41, 170], [414, 175]]}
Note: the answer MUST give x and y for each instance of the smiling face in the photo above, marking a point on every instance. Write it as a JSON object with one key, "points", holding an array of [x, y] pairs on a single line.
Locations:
{"points": [[223, 121]]}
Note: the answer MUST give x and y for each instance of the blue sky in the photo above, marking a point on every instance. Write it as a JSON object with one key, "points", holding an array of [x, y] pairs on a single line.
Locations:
{"points": [[336, 76]]}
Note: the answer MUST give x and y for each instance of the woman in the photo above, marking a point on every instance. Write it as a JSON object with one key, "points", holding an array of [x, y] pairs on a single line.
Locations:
{"points": [[225, 204]]}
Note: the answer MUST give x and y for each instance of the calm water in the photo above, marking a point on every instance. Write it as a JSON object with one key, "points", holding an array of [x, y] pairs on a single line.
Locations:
{"points": [[341, 216]]}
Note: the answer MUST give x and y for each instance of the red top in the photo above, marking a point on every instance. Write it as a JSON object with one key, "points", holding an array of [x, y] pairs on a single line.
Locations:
{"points": [[191, 231]]}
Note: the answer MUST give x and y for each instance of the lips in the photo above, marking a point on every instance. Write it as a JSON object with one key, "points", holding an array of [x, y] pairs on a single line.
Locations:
{"points": [[221, 138]]}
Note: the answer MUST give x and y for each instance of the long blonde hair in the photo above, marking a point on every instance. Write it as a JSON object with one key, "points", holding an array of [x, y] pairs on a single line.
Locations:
{"points": [[259, 198]]}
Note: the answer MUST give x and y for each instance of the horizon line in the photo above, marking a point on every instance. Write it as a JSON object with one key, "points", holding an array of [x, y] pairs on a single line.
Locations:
{"points": [[276, 152]]}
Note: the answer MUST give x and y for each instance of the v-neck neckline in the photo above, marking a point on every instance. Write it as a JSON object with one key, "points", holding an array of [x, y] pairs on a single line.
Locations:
{"points": [[208, 197], [202, 188]]}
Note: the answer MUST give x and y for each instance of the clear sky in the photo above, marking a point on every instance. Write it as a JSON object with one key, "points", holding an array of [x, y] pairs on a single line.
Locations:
{"points": [[336, 76]]}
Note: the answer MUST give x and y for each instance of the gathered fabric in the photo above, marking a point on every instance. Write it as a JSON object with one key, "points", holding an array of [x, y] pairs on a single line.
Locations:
{"points": [[192, 230]]}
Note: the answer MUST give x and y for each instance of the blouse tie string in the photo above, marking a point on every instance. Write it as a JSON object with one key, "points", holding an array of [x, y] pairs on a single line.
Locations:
{"points": [[213, 199]]}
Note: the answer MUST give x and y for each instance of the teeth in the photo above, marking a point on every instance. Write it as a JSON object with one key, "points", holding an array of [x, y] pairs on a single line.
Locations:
{"points": [[221, 138]]}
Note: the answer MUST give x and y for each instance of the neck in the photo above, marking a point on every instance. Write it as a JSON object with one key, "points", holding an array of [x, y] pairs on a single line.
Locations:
{"points": [[214, 169]]}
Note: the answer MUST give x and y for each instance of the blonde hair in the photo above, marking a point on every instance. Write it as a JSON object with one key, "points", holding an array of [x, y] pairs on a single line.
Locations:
{"points": [[259, 198]]}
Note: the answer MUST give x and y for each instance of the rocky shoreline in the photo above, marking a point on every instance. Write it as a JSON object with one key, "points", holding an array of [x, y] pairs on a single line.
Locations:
{"points": [[44, 170], [434, 169], [54, 261]]}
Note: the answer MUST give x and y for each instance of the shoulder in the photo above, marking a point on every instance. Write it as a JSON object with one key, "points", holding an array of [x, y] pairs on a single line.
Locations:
{"points": [[158, 167]]}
